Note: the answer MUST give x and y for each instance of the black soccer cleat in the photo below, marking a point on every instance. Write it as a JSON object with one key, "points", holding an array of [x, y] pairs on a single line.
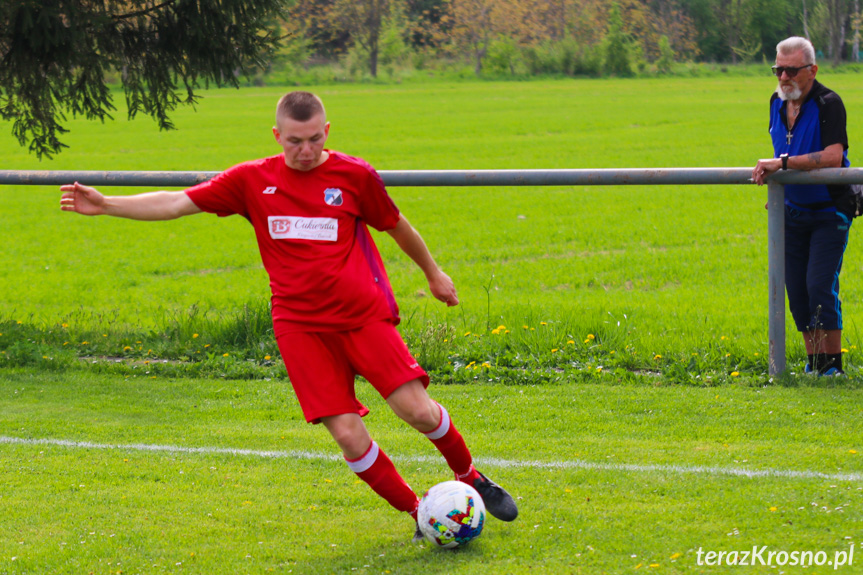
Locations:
{"points": [[418, 535], [496, 499]]}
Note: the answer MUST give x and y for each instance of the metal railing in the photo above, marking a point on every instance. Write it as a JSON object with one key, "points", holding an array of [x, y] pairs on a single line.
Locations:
{"points": [[607, 177]]}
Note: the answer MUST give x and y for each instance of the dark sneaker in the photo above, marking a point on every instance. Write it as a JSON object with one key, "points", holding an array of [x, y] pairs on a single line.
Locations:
{"points": [[497, 501], [418, 535]]}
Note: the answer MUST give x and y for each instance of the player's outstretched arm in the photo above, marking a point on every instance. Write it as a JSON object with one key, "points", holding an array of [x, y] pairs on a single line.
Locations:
{"points": [[411, 243], [151, 206]]}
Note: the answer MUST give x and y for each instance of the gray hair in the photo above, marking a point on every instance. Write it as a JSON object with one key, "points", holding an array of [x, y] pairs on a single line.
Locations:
{"points": [[796, 44]]}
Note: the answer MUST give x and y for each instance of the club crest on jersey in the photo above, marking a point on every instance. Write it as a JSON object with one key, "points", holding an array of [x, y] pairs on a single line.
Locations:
{"points": [[269, 190], [333, 197]]}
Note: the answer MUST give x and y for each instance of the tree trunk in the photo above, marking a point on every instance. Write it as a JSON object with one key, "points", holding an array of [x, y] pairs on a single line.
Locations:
{"points": [[855, 46]]}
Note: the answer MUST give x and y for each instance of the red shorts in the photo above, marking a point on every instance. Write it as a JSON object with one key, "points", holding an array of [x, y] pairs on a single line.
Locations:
{"points": [[322, 367]]}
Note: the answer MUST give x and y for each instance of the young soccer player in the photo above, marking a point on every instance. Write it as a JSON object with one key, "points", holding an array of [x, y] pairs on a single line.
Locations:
{"points": [[334, 313]]}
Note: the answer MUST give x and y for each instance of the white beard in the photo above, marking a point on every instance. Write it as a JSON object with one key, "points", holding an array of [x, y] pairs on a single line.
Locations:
{"points": [[794, 94]]}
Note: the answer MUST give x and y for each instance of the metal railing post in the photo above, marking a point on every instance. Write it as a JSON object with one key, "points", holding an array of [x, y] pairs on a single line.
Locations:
{"points": [[776, 276]]}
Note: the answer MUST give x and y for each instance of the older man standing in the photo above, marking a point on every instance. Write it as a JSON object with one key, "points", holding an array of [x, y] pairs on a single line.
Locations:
{"points": [[807, 126]]}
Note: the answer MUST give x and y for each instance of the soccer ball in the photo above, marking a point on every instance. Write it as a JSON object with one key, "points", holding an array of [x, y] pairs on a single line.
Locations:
{"points": [[451, 514]]}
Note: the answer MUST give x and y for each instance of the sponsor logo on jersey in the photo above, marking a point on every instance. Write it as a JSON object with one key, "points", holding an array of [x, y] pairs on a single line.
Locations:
{"points": [[333, 197], [269, 190], [300, 228]]}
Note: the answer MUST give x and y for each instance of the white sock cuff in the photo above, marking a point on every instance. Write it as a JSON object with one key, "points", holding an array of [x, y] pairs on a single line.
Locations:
{"points": [[443, 426], [366, 461]]}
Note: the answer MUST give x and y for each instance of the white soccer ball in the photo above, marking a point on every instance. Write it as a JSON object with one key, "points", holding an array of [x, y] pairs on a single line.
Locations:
{"points": [[451, 514]]}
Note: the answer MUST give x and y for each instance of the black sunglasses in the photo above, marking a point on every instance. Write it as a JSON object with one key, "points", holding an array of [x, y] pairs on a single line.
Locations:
{"points": [[790, 70]]}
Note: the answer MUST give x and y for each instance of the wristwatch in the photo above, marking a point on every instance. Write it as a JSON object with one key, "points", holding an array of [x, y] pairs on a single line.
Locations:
{"points": [[784, 158]]}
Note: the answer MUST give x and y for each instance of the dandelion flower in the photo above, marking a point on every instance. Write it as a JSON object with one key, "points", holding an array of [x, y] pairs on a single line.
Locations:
{"points": [[774, 509], [844, 350], [267, 357], [735, 373], [570, 342], [554, 350], [591, 336], [543, 323], [225, 354], [657, 356], [194, 335], [501, 327], [852, 451]]}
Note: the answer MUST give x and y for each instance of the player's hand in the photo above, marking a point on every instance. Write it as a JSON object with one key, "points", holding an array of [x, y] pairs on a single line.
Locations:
{"points": [[82, 199], [764, 168], [443, 288]]}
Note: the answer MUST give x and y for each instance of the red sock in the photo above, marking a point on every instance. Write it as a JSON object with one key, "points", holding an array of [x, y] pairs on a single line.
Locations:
{"points": [[451, 444], [376, 469]]}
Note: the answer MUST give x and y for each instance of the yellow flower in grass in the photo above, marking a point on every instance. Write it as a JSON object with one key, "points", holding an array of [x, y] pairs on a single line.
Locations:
{"points": [[194, 335], [501, 327], [735, 373], [543, 323], [226, 354], [570, 342], [591, 336], [554, 350], [844, 350], [852, 451], [657, 356]]}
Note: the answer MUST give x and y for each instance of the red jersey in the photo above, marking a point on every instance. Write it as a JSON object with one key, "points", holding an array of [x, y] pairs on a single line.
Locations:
{"points": [[325, 271]]}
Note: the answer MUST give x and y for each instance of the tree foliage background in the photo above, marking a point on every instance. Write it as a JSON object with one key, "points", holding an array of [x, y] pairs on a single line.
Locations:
{"points": [[571, 36], [56, 57]]}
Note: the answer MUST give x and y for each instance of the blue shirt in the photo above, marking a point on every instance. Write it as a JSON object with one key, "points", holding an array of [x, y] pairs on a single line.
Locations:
{"points": [[820, 123]]}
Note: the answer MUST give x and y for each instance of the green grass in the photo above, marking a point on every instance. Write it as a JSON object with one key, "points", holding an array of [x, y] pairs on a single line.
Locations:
{"points": [[74, 509], [682, 267], [118, 333]]}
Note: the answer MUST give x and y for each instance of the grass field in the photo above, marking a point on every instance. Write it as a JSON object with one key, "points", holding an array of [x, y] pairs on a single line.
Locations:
{"points": [[146, 425]]}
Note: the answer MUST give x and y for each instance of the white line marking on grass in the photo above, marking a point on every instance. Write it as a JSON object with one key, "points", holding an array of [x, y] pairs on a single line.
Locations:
{"points": [[484, 461]]}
